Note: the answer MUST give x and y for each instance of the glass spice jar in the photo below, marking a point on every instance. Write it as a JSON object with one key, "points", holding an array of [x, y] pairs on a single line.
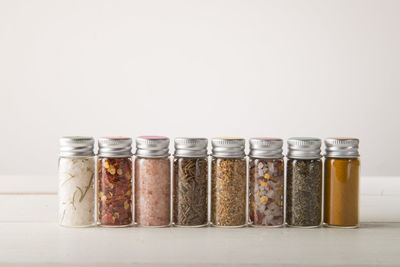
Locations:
{"points": [[266, 182], [152, 181], [304, 182], [342, 178], [228, 179], [76, 171], [190, 180], [114, 195]]}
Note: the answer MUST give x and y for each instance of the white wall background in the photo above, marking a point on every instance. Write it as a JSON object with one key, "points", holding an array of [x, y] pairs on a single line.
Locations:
{"points": [[198, 68]]}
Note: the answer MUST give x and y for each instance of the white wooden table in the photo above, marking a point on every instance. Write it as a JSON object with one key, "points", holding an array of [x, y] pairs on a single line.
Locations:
{"points": [[29, 235]]}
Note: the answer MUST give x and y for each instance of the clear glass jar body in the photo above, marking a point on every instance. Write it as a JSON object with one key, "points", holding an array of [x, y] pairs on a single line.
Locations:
{"points": [[190, 191], [228, 194], [266, 192], [153, 191], [76, 194], [114, 195], [304, 192], [341, 198]]}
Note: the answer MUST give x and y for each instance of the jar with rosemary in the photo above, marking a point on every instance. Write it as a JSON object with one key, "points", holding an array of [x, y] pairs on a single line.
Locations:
{"points": [[190, 183], [76, 174], [342, 182], [304, 182], [152, 181], [266, 182], [114, 195], [228, 181]]}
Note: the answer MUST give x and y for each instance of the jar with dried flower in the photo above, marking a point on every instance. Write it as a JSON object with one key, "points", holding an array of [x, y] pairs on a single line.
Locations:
{"points": [[76, 175], [190, 173], [152, 181], [228, 179], [114, 195], [266, 183]]}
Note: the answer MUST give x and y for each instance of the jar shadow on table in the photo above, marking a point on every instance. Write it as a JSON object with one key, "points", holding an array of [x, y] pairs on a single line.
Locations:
{"points": [[370, 225]]}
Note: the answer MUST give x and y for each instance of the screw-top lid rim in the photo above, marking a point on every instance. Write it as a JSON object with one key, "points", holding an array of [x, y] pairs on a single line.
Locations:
{"points": [[266, 147], [304, 148], [152, 146], [342, 147], [190, 147], [118, 146], [76, 146], [229, 147]]}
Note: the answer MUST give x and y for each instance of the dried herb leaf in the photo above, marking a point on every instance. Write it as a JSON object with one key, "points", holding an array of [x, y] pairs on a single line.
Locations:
{"points": [[228, 199], [190, 191], [304, 192]]}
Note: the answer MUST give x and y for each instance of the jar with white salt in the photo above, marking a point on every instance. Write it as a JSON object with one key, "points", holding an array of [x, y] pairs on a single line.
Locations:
{"points": [[76, 176], [152, 181]]}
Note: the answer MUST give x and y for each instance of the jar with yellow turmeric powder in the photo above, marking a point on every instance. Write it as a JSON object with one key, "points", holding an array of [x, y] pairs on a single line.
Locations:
{"points": [[342, 178]]}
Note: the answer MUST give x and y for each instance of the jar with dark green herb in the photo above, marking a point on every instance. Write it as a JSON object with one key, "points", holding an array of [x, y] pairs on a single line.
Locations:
{"points": [[190, 205], [304, 182], [228, 179], [266, 182]]}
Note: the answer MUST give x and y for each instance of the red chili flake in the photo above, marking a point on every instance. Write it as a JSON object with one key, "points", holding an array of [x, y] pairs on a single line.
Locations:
{"points": [[115, 191]]}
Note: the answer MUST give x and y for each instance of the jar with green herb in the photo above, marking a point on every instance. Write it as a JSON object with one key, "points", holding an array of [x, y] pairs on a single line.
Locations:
{"points": [[190, 182], [266, 182], [228, 179], [304, 182]]}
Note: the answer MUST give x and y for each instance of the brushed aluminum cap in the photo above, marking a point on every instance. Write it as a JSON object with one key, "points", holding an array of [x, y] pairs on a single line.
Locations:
{"points": [[152, 146], [304, 148], [76, 146], [263, 147], [338, 147], [191, 147], [228, 147], [115, 147]]}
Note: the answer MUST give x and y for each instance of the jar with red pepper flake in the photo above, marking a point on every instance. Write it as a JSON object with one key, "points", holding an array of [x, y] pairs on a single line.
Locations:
{"points": [[114, 196], [266, 182], [152, 181]]}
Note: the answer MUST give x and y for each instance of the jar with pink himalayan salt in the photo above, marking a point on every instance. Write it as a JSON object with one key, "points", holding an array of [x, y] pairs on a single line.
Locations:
{"points": [[152, 181]]}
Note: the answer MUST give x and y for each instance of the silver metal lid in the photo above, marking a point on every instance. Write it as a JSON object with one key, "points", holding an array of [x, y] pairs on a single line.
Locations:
{"points": [[262, 147], [304, 148], [76, 146], [152, 146], [115, 147], [191, 147], [337, 147], [228, 147]]}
